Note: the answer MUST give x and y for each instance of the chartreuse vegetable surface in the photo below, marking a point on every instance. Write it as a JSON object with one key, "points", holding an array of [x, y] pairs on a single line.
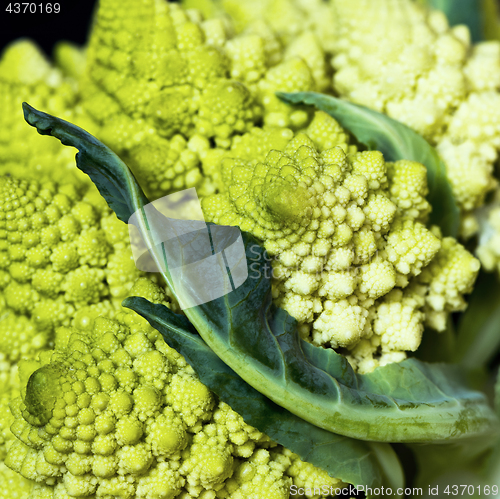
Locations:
{"points": [[113, 411], [352, 259], [406, 402], [395, 141], [340, 456], [27, 74]]}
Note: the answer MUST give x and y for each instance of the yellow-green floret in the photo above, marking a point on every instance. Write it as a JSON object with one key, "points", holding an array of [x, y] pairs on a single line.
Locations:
{"points": [[401, 59], [353, 261], [166, 103], [26, 75], [114, 412], [294, 22], [63, 257], [13, 485]]}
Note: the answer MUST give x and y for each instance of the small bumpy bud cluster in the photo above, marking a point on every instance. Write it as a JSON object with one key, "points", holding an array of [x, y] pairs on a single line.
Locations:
{"points": [[429, 76], [95, 416], [55, 256], [345, 230], [198, 86], [114, 412]]}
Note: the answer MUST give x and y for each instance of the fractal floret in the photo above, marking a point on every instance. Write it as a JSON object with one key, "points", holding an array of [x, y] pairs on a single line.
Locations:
{"points": [[14, 485], [406, 61], [428, 76], [26, 75], [289, 19], [64, 258], [159, 103], [293, 28], [114, 412], [353, 261]]}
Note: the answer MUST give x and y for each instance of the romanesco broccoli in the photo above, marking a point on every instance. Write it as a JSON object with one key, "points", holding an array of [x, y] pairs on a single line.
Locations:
{"points": [[110, 410], [429, 76], [113, 411], [397, 57], [26, 75], [194, 86], [64, 257], [292, 21], [352, 259], [13, 484]]}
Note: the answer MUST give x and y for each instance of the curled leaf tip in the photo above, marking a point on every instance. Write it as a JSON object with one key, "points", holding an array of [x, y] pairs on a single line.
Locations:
{"points": [[36, 118], [109, 173]]}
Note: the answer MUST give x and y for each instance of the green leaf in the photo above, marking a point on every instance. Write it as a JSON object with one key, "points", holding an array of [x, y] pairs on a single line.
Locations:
{"points": [[453, 464], [396, 141], [108, 172], [411, 401], [478, 338], [493, 472], [406, 402], [352, 461]]}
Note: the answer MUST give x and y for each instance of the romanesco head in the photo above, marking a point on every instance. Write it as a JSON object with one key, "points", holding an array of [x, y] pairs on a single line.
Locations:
{"points": [[113, 411], [99, 408], [449, 276], [26, 75], [260, 473], [13, 484], [347, 233], [428, 76], [163, 103], [62, 255], [290, 20], [149, 99]]}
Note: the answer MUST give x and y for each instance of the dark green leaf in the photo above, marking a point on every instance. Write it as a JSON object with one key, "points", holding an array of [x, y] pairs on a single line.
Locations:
{"points": [[497, 394], [352, 461], [108, 172], [406, 402], [396, 141], [410, 401], [493, 472]]}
